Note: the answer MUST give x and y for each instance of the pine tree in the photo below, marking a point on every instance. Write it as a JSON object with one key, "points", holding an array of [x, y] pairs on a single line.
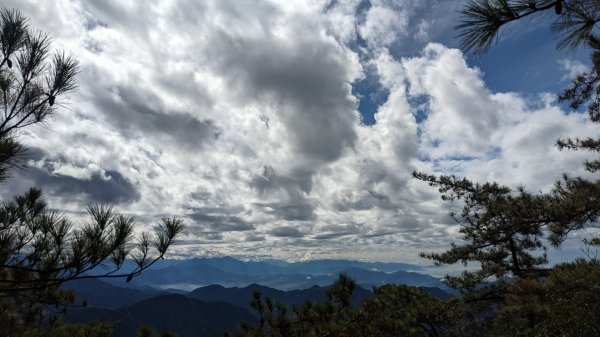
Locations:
{"points": [[507, 231], [575, 23], [39, 248]]}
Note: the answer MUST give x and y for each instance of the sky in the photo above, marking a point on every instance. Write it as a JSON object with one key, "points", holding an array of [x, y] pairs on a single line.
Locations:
{"points": [[290, 129]]}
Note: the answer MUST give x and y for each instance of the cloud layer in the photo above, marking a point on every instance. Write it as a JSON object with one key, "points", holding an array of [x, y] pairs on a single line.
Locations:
{"points": [[241, 117]]}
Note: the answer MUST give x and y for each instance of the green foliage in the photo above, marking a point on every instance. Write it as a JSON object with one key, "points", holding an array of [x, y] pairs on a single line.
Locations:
{"points": [[35, 320], [330, 318], [394, 310], [506, 232], [91, 329], [30, 82], [482, 20], [400, 310], [168, 334], [503, 230], [41, 249], [566, 303], [514, 291], [148, 331]]}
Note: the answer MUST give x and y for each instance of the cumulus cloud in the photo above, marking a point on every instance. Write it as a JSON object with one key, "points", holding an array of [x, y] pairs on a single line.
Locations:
{"points": [[383, 24], [489, 136], [241, 117], [572, 68]]}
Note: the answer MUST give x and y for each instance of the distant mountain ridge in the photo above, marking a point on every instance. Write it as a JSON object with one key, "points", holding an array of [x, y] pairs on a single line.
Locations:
{"points": [[100, 294], [311, 267], [242, 296], [206, 311], [183, 315], [231, 272]]}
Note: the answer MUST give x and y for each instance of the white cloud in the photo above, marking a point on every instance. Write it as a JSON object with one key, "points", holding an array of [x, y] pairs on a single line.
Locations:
{"points": [[240, 117], [383, 25], [572, 68]]}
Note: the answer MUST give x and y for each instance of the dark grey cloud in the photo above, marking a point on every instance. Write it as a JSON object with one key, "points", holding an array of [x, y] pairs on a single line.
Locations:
{"points": [[305, 79], [286, 232], [214, 236], [112, 13], [182, 84], [373, 172], [138, 109], [193, 245], [220, 222], [297, 185], [201, 195], [360, 200], [290, 212], [109, 188], [34, 154], [211, 220], [196, 230], [334, 231], [254, 238], [378, 234], [265, 182], [329, 236]]}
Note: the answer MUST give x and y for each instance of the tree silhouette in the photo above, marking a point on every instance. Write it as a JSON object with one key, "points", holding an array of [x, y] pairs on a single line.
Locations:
{"points": [[39, 248], [575, 23], [393, 310], [506, 231]]}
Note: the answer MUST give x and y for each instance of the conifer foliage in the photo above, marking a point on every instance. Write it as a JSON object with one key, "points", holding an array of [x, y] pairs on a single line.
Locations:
{"points": [[508, 231]]}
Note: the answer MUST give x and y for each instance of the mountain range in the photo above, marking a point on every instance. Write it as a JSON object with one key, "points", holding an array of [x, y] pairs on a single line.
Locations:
{"points": [[183, 315], [206, 311], [190, 274], [207, 296]]}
